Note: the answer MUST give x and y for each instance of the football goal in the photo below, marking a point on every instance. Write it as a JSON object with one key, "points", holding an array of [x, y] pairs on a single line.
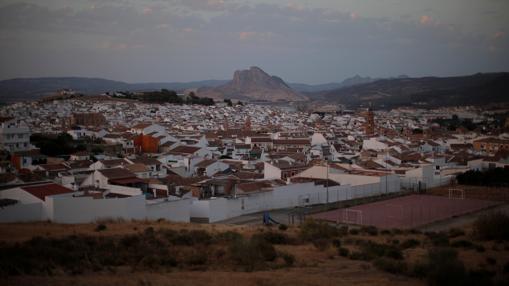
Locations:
{"points": [[456, 194], [351, 216]]}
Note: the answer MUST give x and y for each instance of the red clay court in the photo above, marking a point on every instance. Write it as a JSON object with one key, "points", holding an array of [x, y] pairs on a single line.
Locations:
{"points": [[405, 212]]}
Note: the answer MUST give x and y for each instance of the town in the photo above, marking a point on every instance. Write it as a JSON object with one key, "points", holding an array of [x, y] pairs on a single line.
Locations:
{"points": [[254, 143], [80, 160]]}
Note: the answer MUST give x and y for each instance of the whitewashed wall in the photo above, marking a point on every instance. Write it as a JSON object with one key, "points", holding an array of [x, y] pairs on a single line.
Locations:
{"points": [[22, 213], [68, 209], [287, 196], [177, 210]]}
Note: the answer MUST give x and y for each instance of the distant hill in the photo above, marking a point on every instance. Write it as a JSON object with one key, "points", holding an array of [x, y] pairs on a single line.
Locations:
{"points": [[253, 84], [478, 89], [308, 88], [34, 88]]}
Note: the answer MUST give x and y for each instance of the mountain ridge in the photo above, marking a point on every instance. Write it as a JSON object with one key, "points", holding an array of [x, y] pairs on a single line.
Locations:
{"points": [[252, 84], [477, 89]]}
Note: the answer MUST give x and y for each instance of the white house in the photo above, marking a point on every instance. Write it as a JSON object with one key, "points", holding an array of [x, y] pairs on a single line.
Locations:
{"points": [[14, 135]]}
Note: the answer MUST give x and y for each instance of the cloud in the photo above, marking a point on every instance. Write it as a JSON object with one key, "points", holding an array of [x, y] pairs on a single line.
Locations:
{"points": [[147, 11], [210, 38], [425, 20], [244, 35], [498, 35]]}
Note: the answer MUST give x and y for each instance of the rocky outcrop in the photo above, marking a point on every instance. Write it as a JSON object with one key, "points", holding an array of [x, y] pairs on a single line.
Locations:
{"points": [[253, 84]]}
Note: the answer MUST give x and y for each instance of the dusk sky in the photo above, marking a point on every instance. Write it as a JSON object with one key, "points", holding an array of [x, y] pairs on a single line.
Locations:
{"points": [[313, 41]]}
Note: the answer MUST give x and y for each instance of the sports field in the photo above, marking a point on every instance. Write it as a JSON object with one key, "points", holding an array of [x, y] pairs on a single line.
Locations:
{"points": [[405, 212]]}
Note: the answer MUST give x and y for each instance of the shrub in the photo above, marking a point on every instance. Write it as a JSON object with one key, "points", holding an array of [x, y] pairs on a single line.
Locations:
{"points": [[479, 248], [251, 254], [311, 230], [438, 238], [273, 237], [283, 227], [396, 231], [491, 261], [197, 258], [336, 242], [493, 226], [462, 243], [288, 258], [228, 236], [185, 237], [200, 237], [321, 244], [343, 230], [373, 250], [369, 230], [357, 255], [149, 231], [444, 268], [481, 277], [455, 232], [390, 265], [100, 227], [419, 270], [343, 251], [354, 231], [409, 243], [370, 250], [491, 177]]}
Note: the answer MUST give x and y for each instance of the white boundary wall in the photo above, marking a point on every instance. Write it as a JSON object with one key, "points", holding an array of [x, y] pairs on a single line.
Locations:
{"points": [[217, 209], [68, 209]]}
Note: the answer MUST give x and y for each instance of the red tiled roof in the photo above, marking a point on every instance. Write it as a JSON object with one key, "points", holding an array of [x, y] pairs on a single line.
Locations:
{"points": [[184, 149], [5, 119], [41, 191], [292, 141]]}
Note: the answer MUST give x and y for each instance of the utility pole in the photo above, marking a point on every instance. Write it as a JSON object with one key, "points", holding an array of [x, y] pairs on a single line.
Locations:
{"points": [[327, 182]]}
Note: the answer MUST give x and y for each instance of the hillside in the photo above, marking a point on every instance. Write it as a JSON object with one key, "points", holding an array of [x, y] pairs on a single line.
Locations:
{"points": [[253, 84], [34, 88], [478, 89], [155, 252]]}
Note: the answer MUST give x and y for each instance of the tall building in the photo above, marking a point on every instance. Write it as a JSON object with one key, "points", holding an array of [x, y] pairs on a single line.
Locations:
{"points": [[14, 135], [247, 123], [369, 127]]}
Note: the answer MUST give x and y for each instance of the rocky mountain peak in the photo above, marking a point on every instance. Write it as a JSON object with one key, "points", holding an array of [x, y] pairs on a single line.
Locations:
{"points": [[253, 83]]}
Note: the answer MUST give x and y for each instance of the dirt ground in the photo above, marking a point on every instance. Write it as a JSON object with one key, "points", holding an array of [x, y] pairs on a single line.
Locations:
{"points": [[312, 266], [333, 272]]}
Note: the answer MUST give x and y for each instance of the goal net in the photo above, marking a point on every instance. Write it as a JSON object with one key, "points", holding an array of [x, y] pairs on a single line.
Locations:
{"points": [[351, 216], [456, 194]]}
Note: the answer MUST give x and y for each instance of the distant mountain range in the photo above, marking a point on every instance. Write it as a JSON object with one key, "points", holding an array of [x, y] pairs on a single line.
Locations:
{"points": [[20, 89], [477, 89], [255, 84], [252, 84], [357, 79]]}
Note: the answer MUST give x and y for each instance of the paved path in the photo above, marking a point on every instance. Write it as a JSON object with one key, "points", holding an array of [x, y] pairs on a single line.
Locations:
{"points": [[281, 216]]}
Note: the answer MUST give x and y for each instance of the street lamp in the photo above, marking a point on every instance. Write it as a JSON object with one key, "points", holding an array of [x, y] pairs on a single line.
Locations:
{"points": [[327, 181]]}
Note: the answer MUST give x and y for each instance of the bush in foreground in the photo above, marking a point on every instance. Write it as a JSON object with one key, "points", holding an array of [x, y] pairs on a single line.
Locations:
{"points": [[390, 265], [311, 230], [444, 268], [493, 226]]}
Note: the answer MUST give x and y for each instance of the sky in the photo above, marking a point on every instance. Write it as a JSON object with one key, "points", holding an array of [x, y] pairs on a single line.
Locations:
{"points": [[306, 41]]}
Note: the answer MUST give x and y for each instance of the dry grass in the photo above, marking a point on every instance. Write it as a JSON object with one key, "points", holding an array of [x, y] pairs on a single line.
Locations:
{"points": [[332, 272], [14, 232], [311, 267]]}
